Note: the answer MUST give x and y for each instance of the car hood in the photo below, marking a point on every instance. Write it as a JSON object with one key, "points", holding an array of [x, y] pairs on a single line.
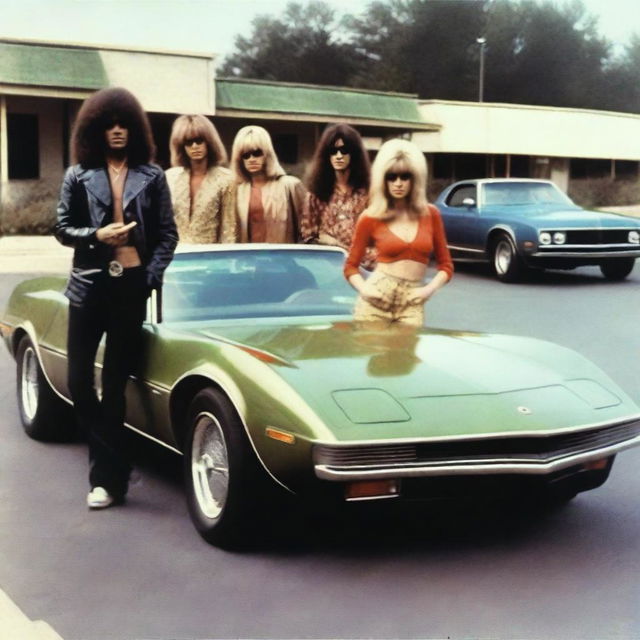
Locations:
{"points": [[567, 218], [431, 382]]}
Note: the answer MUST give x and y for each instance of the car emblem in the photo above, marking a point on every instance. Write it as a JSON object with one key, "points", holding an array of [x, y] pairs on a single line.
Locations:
{"points": [[525, 411]]}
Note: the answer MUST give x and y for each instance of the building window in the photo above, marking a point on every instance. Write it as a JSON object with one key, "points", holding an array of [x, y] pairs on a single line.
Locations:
{"points": [[23, 146], [286, 147], [590, 168], [627, 169], [520, 167]]}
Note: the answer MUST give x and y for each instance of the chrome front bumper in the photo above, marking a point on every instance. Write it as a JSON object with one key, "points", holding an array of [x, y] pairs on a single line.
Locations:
{"points": [[547, 454]]}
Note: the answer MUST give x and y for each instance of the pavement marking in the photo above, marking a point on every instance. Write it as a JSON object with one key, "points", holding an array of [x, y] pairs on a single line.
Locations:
{"points": [[14, 624]]}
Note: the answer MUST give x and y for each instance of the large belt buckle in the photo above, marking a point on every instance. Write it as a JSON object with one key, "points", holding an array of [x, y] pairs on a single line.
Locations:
{"points": [[115, 269]]}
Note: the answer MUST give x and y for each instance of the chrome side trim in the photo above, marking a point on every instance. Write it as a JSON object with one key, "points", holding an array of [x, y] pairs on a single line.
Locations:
{"points": [[462, 468], [454, 247], [149, 437]]}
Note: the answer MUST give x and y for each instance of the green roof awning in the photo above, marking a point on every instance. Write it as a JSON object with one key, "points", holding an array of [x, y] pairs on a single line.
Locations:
{"points": [[391, 109], [49, 66]]}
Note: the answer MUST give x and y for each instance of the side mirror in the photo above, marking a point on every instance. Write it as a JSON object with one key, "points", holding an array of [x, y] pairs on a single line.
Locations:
{"points": [[469, 203]]}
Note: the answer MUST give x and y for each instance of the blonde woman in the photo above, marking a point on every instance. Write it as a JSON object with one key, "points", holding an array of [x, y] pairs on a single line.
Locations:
{"points": [[405, 230], [268, 202], [202, 189]]}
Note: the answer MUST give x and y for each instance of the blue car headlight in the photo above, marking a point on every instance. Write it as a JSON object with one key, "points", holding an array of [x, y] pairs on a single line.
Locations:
{"points": [[544, 237], [559, 237], [634, 237]]}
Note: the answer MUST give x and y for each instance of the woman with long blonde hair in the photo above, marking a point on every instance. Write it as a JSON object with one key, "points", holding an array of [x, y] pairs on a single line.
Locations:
{"points": [[268, 202], [405, 230], [202, 188]]}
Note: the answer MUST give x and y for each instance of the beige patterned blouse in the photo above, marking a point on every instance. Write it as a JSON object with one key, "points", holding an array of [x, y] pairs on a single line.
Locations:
{"points": [[212, 218], [332, 222]]}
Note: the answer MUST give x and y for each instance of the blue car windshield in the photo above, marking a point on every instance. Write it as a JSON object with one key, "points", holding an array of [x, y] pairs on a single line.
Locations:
{"points": [[253, 283], [524, 193]]}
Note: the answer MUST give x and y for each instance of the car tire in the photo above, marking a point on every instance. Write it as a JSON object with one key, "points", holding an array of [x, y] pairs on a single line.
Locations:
{"points": [[618, 268], [505, 261], [221, 471], [44, 415]]}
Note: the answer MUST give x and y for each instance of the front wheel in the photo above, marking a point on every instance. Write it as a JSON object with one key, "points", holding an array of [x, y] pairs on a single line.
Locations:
{"points": [[44, 415], [507, 264], [221, 474], [617, 268]]}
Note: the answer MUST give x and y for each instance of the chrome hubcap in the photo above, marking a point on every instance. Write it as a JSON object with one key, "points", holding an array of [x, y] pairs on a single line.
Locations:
{"points": [[503, 256], [209, 465], [29, 383]]}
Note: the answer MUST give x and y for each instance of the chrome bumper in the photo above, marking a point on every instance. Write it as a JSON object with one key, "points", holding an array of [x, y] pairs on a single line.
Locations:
{"points": [[352, 463], [586, 254]]}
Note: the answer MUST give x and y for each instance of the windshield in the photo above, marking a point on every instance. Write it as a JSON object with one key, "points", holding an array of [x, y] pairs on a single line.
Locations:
{"points": [[522, 193], [254, 283]]}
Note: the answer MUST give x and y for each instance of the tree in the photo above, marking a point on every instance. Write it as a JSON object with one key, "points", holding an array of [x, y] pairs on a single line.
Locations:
{"points": [[420, 46], [537, 52], [544, 54], [305, 45], [622, 86]]}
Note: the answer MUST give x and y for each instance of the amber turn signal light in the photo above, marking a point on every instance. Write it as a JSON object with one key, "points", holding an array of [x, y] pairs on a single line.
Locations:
{"points": [[372, 489], [597, 465], [280, 436]]}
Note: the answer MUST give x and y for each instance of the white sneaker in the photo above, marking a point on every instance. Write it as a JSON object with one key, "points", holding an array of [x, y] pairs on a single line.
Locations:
{"points": [[99, 498]]}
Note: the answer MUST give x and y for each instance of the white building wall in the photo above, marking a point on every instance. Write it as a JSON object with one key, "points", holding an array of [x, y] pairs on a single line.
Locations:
{"points": [[163, 82], [528, 130]]}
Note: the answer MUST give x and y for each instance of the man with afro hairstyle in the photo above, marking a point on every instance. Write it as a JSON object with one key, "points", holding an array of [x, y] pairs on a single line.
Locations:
{"points": [[115, 211]]}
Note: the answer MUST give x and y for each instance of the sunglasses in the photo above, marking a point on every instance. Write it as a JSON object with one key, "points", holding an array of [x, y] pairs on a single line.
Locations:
{"points": [[190, 141], [115, 123], [404, 176], [344, 150], [253, 153]]}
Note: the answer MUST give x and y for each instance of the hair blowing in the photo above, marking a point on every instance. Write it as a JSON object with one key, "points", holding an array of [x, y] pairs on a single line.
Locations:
{"points": [[97, 113]]}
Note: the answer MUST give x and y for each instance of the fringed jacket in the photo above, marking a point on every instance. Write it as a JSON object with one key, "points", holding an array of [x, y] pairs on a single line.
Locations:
{"points": [[212, 217], [283, 200]]}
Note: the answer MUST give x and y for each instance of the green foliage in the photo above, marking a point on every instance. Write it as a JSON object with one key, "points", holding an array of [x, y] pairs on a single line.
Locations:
{"points": [[30, 209], [537, 52], [602, 192], [302, 46]]}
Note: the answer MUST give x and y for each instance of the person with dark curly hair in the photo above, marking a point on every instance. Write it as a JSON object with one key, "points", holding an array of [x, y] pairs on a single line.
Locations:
{"points": [[115, 211], [338, 181]]}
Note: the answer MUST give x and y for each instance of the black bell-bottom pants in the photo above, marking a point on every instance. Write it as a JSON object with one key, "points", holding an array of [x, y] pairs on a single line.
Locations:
{"points": [[116, 308]]}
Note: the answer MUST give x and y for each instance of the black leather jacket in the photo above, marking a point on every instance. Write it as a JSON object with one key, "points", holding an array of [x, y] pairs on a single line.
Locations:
{"points": [[85, 205]]}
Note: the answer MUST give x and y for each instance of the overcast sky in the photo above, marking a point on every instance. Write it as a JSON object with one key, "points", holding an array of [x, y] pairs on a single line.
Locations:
{"points": [[202, 25]]}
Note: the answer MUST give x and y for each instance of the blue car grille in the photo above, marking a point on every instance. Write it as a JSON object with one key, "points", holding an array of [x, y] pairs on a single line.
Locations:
{"points": [[598, 236], [505, 449]]}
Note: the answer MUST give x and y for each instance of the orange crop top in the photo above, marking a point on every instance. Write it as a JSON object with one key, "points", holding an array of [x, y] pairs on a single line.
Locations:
{"points": [[375, 232]]}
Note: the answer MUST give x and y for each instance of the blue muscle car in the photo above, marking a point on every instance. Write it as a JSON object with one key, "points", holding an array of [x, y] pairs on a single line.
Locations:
{"points": [[516, 223]]}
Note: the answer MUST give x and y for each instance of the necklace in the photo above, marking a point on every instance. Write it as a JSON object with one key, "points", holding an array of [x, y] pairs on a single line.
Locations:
{"points": [[117, 170]]}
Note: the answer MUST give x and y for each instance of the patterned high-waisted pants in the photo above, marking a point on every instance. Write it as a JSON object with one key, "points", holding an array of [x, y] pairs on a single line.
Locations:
{"points": [[394, 304]]}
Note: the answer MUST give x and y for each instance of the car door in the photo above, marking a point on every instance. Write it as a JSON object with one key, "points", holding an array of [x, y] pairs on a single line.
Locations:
{"points": [[461, 220]]}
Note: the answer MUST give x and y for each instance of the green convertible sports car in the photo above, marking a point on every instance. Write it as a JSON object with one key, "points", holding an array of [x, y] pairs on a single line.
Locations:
{"points": [[253, 370]]}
